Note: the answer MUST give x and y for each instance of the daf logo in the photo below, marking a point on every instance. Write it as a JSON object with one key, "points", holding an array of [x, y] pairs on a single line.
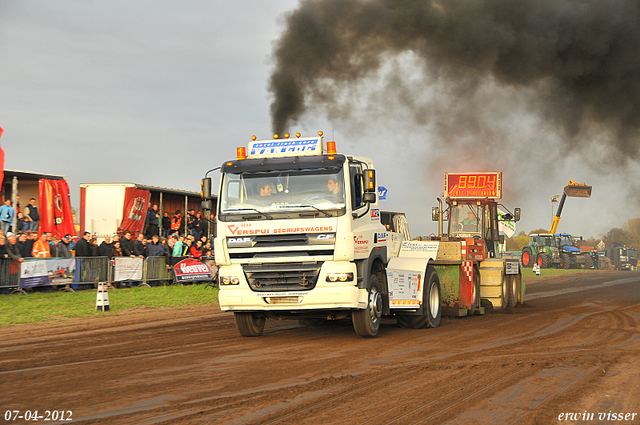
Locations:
{"points": [[238, 240], [327, 236]]}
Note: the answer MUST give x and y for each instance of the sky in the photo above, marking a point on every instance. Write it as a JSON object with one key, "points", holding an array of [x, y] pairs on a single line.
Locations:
{"points": [[157, 93]]}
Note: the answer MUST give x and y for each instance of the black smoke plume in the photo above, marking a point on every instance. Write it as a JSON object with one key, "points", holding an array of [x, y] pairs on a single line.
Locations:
{"points": [[576, 62]]}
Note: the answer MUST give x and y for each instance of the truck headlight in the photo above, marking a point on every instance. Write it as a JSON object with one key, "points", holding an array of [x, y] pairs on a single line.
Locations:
{"points": [[340, 277], [229, 280]]}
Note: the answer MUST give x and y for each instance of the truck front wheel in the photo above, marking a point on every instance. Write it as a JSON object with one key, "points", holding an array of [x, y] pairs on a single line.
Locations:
{"points": [[431, 305], [249, 324], [367, 322]]}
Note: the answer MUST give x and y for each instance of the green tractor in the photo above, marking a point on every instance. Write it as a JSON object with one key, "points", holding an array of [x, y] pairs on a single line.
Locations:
{"points": [[542, 250]]}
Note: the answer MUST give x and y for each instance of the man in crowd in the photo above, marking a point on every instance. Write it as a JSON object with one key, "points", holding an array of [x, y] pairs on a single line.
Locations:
{"points": [[64, 250], [41, 248], [177, 222], [106, 248], [82, 246], [155, 248], [139, 246], [177, 245], [153, 219], [13, 250], [6, 216], [23, 246], [31, 216], [53, 246], [191, 221], [166, 224], [127, 245]]}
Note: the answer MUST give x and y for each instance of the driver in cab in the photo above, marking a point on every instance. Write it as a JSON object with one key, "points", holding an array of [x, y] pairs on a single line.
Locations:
{"points": [[470, 224], [265, 189], [334, 187]]}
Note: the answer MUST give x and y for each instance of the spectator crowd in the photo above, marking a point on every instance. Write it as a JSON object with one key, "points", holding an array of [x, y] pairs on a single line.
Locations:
{"points": [[181, 237]]}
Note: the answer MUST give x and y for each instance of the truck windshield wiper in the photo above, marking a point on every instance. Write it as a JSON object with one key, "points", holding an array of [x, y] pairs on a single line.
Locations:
{"points": [[322, 211], [250, 209]]}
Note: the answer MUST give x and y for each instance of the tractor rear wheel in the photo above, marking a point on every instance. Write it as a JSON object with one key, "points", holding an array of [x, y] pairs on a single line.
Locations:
{"points": [[588, 262], [527, 257]]}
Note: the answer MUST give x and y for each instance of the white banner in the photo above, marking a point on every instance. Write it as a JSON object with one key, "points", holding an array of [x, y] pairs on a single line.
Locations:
{"points": [[127, 268]]}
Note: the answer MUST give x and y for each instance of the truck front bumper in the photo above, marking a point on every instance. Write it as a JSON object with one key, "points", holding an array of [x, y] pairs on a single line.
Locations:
{"points": [[324, 296]]}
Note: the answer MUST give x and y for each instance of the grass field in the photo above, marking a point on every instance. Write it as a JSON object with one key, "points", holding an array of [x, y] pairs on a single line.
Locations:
{"points": [[46, 306], [529, 276]]}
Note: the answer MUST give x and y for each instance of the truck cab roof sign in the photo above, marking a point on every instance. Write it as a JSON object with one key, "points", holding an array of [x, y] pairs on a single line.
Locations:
{"points": [[285, 147]]}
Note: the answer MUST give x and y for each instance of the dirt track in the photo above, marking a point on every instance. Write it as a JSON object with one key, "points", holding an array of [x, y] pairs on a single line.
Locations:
{"points": [[575, 347]]}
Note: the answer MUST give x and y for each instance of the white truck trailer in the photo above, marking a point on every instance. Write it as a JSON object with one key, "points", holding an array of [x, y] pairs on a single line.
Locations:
{"points": [[300, 236]]}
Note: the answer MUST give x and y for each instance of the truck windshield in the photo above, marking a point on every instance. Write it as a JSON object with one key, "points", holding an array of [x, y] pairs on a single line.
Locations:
{"points": [[466, 219], [317, 191]]}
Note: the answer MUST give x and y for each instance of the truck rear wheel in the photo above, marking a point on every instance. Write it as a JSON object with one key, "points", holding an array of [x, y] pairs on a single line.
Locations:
{"points": [[249, 324], [367, 322], [431, 305]]}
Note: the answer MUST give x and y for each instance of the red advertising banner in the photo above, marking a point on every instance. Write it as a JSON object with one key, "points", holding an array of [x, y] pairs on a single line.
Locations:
{"points": [[192, 270], [134, 212], [55, 208]]}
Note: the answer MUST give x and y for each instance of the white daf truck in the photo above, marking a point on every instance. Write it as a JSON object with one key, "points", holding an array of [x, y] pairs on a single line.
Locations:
{"points": [[300, 235]]}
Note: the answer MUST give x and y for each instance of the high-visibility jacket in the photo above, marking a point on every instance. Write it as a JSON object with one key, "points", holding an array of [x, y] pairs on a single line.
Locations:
{"points": [[41, 249], [176, 222]]}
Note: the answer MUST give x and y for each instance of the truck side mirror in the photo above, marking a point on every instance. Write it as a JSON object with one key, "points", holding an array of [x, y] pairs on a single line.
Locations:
{"points": [[370, 182], [435, 214], [205, 189], [207, 204], [369, 197], [501, 239], [516, 214]]}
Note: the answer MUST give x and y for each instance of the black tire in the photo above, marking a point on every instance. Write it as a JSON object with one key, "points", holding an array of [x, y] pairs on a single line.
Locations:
{"points": [[249, 324], [527, 257], [544, 261], [566, 261], [506, 289], [514, 290], [476, 291], [431, 305], [588, 262], [367, 322]]}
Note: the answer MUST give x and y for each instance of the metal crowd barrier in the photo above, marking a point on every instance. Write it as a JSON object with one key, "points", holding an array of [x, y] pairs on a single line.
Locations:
{"points": [[155, 270], [92, 270], [9, 273]]}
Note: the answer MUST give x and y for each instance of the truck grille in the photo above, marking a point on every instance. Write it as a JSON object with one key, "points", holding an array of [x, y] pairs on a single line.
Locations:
{"points": [[282, 277]]}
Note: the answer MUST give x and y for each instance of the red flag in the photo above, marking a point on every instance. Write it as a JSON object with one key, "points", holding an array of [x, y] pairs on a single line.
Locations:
{"points": [[134, 211], [55, 208], [1, 160]]}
